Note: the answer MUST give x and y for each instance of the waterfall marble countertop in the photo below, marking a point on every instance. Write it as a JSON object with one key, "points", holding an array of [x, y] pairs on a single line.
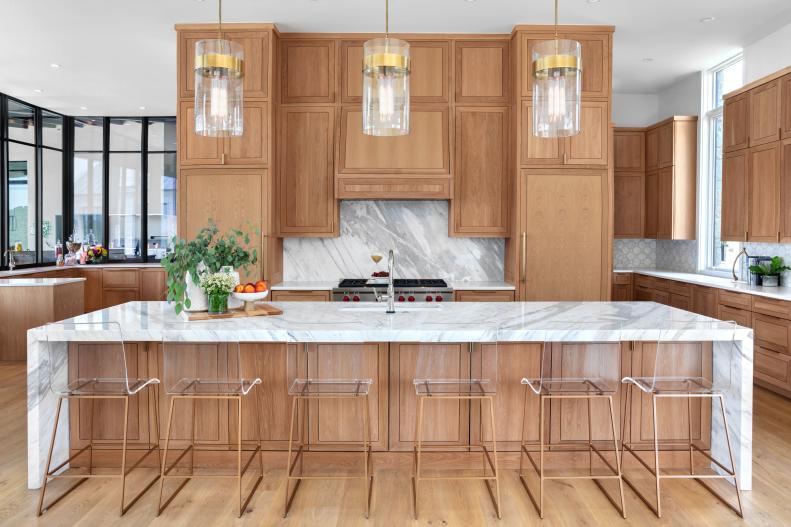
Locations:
{"points": [[37, 282], [328, 286], [779, 293], [368, 322], [50, 268]]}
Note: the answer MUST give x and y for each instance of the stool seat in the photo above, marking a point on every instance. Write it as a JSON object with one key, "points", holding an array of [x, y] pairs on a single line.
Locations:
{"points": [[454, 387], [194, 386], [688, 385], [593, 386], [327, 387], [106, 386]]}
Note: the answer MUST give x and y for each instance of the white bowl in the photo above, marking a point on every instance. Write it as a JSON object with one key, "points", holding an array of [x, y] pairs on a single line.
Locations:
{"points": [[250, 297]]}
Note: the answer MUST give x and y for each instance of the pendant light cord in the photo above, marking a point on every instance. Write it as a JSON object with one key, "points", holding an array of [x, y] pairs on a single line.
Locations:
{"points": [[219, 17], [387, 18], [556, 19]]}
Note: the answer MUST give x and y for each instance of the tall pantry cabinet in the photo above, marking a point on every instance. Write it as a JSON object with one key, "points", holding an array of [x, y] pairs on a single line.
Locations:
{"points": [[561, 229]]}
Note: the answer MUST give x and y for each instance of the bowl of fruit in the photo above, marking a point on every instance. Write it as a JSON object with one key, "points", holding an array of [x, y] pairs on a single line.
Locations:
{"points": [[251, 292]]}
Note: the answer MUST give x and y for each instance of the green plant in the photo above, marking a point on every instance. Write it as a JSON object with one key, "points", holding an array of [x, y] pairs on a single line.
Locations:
{"points": [[217, 283], [775, 268], [207, 252]]}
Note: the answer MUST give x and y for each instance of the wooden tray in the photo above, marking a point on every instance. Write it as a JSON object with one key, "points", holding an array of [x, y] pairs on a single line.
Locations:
{"points": [[257, 310]]}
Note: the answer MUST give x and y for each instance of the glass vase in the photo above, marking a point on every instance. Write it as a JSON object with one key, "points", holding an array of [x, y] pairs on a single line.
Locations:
{"points": [[218, 303]]}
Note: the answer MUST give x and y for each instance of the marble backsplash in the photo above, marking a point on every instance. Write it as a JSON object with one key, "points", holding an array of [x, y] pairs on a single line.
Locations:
{"points": [[416, 230]]}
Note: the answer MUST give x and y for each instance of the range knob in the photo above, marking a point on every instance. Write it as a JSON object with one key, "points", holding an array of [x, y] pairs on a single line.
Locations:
{"points": [[355, 298], [438, 298], [411, 298], [428, 298], [401, 298], [346, 298]]}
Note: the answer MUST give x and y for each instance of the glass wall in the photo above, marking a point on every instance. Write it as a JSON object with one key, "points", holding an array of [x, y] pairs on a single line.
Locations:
{"points": [[161, 189]]}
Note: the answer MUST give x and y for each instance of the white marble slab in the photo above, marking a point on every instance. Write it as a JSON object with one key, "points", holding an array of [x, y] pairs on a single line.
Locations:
{"points": [[482, 286], [51, 268], [296, 285], [451, 322], [37, 282]]}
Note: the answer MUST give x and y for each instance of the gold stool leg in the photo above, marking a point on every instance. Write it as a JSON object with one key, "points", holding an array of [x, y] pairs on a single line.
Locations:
{"points": [[418, 439], [617, 457], [239, 452], [656, 457], [123, 453], [49, 459], [541, 458], [368, 474], [294, 417], [494, 455], [165, 469], [730, 455]]}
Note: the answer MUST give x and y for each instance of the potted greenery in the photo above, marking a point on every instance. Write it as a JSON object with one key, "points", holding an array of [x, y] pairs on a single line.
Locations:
{"points": [[770, 274], [218, 287], [208, 252]]}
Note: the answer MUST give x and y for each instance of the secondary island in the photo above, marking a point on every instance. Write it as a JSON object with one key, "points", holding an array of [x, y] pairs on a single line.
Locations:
{"points": [[499, 341]]}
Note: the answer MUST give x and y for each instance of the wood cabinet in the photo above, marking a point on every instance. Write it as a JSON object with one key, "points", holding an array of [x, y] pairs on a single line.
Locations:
{"points": [[482, 71], [537, 150], [666, 148], [734, 196], [93, 288], [589, 147], [765, 115], [622, 287], [283, 295], [736, 123], [704, 301], [307, 71], [629, 213], [763, 187], [461, 295], [785, 105], [651, 149], [629, 150], [480, 188], [651, 224], [785, 191], [306, 200], [153, 285]]}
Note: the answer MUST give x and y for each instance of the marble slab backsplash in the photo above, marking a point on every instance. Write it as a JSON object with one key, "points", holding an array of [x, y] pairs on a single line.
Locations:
{"points": [[416, 230]]}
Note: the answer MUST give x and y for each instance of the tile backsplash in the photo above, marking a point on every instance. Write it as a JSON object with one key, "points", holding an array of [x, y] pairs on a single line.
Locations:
{"points": [[416, 230], [677, 255], [634, 253]]}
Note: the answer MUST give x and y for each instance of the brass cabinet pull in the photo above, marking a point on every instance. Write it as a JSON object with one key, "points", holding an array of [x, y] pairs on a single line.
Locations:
{"points": [[524, 257], [222, 158]]}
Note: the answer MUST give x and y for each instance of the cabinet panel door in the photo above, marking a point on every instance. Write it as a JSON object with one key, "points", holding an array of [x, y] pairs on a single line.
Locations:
{"points": [[252, 147], [764, 193], [628, 205], [426, 150], [621, 293], [480, 186], [483, 296], [256, 62], [785, 192], [114, 297], [773, 367], [704, 301], [785, 105], [195, 149], [538, 150], [765, 113], [482, 71], [307, 70], [590, 146], [665, 145], [565, 216], [651, 204], [153, 285], [629, 150], [300, 296], [652, 149], [306, 183], [665, 203], [734, 196], [186, 58], [736, 123]]}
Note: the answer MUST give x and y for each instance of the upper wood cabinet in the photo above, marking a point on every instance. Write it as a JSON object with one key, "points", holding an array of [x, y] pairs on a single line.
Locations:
{"points": [[589, 147], [595, 60], [306, 201], [785, 104], [736, 123], [665, 206], [651, 149], [651, 223], [307, 70], [734, 196], [195, 149], [429, 76], [666, 146], [256, 44], [763, 187], [785, 193], [765, 115], [629, 150], [482, 71], [629, 199], [480, 187]]}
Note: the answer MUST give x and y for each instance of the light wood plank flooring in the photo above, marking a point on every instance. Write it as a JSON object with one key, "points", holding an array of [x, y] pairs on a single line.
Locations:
{"points": [[331, 503]]}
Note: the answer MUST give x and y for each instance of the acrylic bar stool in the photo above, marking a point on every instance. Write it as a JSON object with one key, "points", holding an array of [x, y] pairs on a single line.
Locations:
{"points": [[302, 392], [99, 374], [707, 353], [582, 365], [196, 372], [431, 388]]}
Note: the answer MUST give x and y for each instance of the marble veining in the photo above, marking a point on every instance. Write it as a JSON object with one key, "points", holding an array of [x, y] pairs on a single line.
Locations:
{"points": [[416, 230]]}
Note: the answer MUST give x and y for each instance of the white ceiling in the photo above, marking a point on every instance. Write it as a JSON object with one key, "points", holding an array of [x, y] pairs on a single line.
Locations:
{"points": [[118, 56]]}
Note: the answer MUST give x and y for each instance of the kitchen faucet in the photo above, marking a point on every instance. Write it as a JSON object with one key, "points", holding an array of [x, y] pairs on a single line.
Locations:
{"points": [[390, 296], [11, 261]]}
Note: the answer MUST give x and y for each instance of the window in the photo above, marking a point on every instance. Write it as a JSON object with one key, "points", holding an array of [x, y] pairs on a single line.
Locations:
{"points": [[88, 181], [716, 255], [161, 192]]}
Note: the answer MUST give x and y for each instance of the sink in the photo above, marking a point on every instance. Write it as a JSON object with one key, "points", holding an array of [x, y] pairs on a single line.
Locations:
{"points": [[382, 308]]}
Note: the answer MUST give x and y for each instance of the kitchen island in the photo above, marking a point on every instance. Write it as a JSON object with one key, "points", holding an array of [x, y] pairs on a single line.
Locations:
{"points": [[500, 341]]}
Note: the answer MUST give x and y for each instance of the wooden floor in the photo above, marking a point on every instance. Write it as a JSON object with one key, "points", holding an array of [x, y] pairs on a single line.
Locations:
{"points": [[331, 503]]}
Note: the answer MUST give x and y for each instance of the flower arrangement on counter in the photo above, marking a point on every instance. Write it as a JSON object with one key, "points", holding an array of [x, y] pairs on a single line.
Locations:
{"points": [[96, 254], [217, 287]]}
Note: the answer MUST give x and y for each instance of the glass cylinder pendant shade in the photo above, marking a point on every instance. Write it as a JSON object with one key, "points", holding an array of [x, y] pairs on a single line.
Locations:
{"points": [[386, 87], [219, 76], [557, 88]]}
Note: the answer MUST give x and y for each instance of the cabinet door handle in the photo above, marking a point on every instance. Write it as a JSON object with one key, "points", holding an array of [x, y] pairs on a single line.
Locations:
{"points": [[222, 158], [524, 257]]}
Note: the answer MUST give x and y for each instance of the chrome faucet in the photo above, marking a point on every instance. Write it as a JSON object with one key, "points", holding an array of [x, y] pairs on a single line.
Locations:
{"points": [[11, 262], [390, 296]]}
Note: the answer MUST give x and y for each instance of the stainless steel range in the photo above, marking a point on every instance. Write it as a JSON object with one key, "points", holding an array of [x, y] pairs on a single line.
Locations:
{"points": [[406, 290]]}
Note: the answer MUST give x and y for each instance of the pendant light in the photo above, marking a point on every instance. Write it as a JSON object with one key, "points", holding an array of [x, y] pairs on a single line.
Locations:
{"points": [[386, 84], [219, 76], [557, 86]]}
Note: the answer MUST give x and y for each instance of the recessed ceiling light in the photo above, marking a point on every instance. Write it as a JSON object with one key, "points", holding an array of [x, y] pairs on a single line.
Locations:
{"points": [[593, 1], [707, 19], [470, 1], [38, 90], [83, 107], [54, 65], [647, 59], [141, 107]]}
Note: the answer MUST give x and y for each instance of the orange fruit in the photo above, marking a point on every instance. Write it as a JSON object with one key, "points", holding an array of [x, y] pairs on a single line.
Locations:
{"points": [[260, 288], [249, 288], [239, 288], [263, 284]]}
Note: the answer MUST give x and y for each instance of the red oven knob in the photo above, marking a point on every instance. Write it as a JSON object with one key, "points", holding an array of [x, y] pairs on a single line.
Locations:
{"points": [[356, 298], [438, 298], [411, 298], [401, 298], [346, 298], [428, 298]]}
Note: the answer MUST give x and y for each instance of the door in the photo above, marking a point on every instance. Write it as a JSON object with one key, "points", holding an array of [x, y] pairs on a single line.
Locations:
{"points": [[736, 124], [195, 149], [665, 145], [538, 150], [252, 147], [785, 105], [785, 193], [629, 150], [652, 149], [256, 48], [566, 219], [628, 205], [665, 203], [153, 285], [307, 70], [480, 186], [306, 176], [704, 301], [651, 204], [765, 113], [590, 146], [482, 71], [734, 196], [764, 193]]}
